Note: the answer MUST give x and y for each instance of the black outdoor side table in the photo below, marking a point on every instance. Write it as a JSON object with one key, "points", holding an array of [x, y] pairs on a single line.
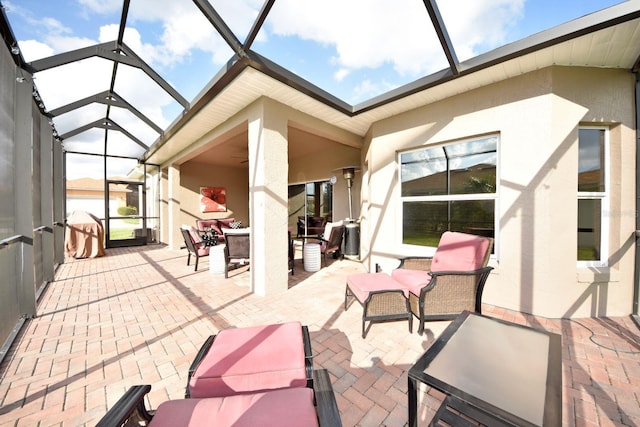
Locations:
{"points": [[510, 373]]}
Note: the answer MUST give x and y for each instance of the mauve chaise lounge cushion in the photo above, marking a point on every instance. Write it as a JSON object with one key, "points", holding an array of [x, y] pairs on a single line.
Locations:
{"points": [[246, 360], [284, 408]]}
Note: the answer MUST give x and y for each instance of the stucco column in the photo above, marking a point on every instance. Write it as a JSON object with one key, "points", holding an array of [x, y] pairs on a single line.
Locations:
{"points": [[173, 207], [268, 177]]}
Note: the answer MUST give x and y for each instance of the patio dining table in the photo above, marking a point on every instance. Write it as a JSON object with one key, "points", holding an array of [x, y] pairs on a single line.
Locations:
{"points": [[510, 373]]}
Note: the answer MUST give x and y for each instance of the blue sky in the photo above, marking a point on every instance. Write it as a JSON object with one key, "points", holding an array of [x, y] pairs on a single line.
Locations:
{"points": [[354, 49]]}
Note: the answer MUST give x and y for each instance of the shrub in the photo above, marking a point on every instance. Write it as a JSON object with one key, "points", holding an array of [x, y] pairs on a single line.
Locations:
{"points": [[127, 210]]}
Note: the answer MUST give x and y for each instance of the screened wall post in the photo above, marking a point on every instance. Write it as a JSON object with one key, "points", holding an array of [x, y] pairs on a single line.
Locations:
{"points": [[636, 287], [23, 196]]}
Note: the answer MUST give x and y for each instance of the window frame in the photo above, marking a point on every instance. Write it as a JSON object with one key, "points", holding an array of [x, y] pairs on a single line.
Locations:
{"points": [[420, 250], [603, 196]]}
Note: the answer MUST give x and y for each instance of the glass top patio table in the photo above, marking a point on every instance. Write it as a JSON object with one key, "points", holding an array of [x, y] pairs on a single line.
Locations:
{"points": [[510, 371]]}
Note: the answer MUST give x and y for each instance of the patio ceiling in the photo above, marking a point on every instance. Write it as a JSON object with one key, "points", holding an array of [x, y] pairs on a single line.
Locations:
{"points": [[607, 38]]}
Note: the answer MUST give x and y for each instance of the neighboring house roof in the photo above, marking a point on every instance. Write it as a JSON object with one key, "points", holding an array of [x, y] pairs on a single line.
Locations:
{"points": [[91, 184]]}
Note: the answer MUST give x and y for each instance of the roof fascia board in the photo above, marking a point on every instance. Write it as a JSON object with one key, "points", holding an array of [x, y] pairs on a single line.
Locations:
{"points": [[291, 79]]}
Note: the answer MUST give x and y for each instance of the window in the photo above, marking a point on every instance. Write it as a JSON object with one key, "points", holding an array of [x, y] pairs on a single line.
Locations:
{"points": [[312, 199], [449, 187], [592, 195]]}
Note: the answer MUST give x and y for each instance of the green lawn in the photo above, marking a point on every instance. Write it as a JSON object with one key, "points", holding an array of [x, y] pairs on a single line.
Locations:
{"points": [[120, 233]]}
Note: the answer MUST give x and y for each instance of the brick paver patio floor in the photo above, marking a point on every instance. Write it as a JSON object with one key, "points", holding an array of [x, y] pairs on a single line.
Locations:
{"points": [[139, 315]]}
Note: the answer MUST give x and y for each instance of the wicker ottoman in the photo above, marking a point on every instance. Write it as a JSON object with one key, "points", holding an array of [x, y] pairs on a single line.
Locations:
{"points": [[382, 298]]}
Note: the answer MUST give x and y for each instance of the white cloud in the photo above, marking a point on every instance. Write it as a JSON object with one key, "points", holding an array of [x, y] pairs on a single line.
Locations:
{"points": [[33, 49], [368, 88], [371, 33], [341, 74], [480, 23], [102, 6], [53, 26]]}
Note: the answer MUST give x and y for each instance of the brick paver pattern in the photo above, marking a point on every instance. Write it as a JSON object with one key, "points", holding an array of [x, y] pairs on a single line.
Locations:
{"points": [[139, 315]]}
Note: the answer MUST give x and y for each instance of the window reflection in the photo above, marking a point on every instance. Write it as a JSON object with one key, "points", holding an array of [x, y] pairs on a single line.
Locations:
{"points": [[449, 187]]}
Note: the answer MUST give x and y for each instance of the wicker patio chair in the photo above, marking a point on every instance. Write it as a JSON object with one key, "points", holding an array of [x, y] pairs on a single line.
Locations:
{"points": [[300, 406], [449, 283]]}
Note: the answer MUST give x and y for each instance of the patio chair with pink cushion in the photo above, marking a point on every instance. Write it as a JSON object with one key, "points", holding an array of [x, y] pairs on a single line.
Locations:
{"points": [[437, 288], [195, 245], [300, 406], [442, 287], [330, 240]]}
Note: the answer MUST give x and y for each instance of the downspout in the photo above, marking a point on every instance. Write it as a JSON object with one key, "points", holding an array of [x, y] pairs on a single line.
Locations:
{"points": [[636, 289]]}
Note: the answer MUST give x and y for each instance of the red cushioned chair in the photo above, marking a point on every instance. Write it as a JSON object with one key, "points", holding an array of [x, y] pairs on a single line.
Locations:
{"points": [[195, 245], [442, 287], [438, 288], [300, 407]]}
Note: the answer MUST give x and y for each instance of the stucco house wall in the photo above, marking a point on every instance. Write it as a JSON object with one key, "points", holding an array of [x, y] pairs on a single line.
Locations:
{"points": [[194, 175], [537, 117]]}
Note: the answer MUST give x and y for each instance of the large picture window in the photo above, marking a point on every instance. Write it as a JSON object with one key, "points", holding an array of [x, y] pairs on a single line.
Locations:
{"points": [[592, 195], [449, 187]]}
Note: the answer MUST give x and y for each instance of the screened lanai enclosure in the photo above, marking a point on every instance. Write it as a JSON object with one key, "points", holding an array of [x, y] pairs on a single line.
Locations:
{"points": [[105, 106]]}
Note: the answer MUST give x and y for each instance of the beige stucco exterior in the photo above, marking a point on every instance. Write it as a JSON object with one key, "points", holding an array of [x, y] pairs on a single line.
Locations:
{"points": [[536, 117]]}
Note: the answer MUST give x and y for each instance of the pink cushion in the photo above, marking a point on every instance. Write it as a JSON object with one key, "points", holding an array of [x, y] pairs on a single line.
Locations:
{"points": [[245, 360], [195, 236], [460, 252], [414, 280], [215, 224], [364, 283], [287, 407]]}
